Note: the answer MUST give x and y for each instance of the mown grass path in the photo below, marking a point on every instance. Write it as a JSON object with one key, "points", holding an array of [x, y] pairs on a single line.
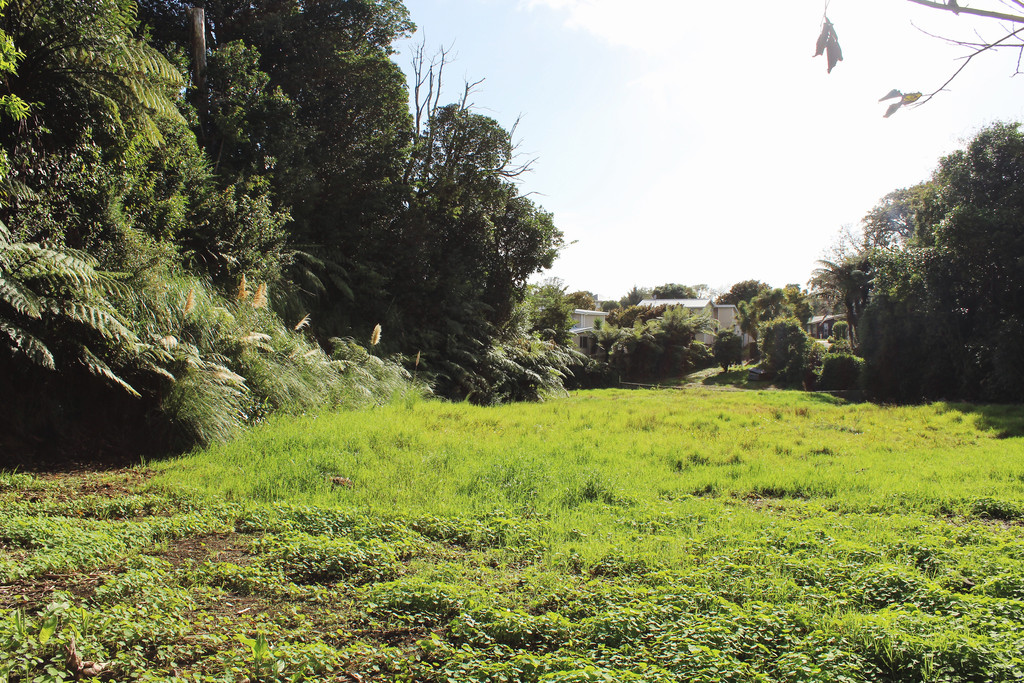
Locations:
{"points": [[613, 535]]}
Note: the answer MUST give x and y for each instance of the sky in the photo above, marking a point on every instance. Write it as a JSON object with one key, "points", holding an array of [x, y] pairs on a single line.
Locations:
{"points": [[701, 143]]}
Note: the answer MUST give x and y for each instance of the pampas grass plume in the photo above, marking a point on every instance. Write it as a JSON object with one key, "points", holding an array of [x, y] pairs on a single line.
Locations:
{"points": [[259, 300], [302, 323], [243, 289], [190, 301], [375, 337]]}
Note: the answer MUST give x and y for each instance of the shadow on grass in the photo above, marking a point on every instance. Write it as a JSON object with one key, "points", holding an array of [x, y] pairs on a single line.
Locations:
{"points": [[1007, 421], [734, 378]]}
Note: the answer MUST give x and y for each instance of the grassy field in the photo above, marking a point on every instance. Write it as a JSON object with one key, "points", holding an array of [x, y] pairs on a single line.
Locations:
{"points": [[695, 535]]}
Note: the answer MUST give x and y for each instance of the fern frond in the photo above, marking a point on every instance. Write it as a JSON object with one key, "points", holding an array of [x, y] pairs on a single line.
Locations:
{"points": [[28, 345], [96, 366], [20, 298], [13, 190], [95, 318]]}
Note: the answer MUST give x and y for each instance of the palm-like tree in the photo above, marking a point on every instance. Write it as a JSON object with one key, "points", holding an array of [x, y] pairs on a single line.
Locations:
{"points": [[81, 58], [845, 282], [605, 336]]}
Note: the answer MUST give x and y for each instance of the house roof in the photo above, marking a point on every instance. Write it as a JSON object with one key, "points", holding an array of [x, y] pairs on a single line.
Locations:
{"points": [[824, 318], [583, 311], [685, 303]]}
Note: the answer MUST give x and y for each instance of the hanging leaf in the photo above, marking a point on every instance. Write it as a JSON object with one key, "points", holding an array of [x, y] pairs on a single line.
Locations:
{"points": [[822, 40], [907, 98], [834, 54], [828, 44]]}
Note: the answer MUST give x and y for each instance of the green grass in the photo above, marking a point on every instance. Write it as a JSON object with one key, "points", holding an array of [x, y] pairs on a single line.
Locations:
{"points": [[697, 535], [634, 452]]}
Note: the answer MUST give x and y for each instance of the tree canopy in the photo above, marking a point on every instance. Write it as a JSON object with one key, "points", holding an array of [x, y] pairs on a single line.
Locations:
{"points": [[219, 231], [942, 315]]}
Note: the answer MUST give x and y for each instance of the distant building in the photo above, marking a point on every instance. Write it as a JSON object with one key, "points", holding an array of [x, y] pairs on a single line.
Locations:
{"points": [[726, 315], [583, 329], [820, 326]]}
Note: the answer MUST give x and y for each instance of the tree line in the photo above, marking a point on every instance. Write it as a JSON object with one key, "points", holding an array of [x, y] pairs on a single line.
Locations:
{"points": [[934, 288], [197, 237], [930, 290], [211, 216]]}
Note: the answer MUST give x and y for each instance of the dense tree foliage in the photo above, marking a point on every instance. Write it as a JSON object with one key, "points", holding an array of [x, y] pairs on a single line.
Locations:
{"points": [[550, 311], [769, 304], [212, 242], [661, 347], [743, 291], [634, 296], [583, 300], [674, 291], [785, 348], [936, 293], [845, 284], [728, 349]]}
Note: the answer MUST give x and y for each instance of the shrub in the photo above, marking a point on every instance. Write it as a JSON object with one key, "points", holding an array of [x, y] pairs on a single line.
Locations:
{"points": [[699, 356], [841, 371], [321, 559], [784, 345], [841, 346], [728, 349], [813, 365], [417, 600], [627, 317]]}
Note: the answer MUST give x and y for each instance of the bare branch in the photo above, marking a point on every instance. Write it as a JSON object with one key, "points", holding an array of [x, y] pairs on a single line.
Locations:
{"points": [[429, 75], [967, 60], [526, 167], [469, 89], [955, 9]]}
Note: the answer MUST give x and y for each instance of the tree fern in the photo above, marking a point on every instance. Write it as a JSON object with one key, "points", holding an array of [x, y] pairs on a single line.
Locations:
{"points": [[53, 304], [88, 49]]}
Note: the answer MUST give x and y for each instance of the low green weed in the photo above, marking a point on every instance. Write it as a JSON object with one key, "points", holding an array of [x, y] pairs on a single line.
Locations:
{"points": [[609, 536], [324, 559]]}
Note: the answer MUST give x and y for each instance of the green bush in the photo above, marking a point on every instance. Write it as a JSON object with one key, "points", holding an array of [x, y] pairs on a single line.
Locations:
{"points": [[728, 349], [784, 345], [841, 371], [417, 600], [813, 364], [699, 356], [323, 559]]}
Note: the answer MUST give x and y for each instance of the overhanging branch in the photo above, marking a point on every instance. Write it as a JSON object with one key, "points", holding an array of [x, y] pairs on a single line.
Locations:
{"points": [[1002, 16], [967, 60]]}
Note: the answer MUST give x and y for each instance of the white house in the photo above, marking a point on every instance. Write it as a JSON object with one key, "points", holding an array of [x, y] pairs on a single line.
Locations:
{"points": [[584, 324], [726, 316]]}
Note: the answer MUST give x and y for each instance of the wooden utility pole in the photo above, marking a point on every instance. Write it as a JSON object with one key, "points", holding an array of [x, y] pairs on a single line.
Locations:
{"points": [[198, 39]]}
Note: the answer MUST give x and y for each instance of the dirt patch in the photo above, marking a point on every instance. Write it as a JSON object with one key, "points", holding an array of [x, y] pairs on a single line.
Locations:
{"points": [[35, 592], [221, 547], [91, 481], [63, 486]]}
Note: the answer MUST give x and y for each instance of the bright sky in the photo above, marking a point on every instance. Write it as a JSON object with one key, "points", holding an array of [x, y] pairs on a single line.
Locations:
{"points": [[700, 142]]}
